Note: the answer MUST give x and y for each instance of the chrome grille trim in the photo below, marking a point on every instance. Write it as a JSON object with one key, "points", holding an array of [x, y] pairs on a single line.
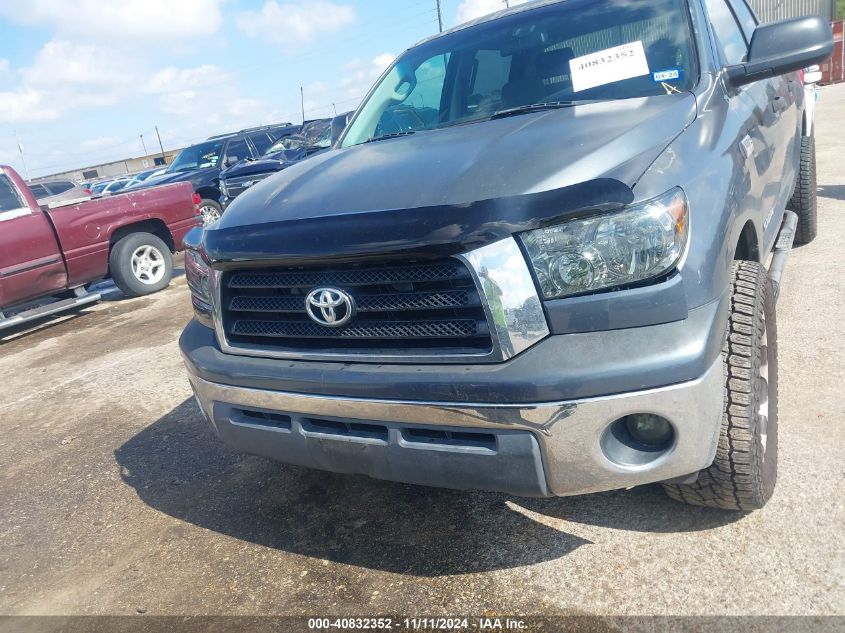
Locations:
{"points": [[515, 324]]}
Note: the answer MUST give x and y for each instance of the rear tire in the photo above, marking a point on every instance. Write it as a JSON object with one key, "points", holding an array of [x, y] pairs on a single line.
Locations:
{"points": [[804, 199], [141, 264], [744, 473]]}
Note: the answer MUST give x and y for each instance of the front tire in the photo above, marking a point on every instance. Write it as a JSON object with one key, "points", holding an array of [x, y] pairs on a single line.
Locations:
{"points": [[744, 473], [804, 199], [141, 264]]}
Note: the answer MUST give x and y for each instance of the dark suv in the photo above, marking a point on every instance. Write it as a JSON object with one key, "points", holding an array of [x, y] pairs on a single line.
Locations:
{"points": [[543, 259], [314, 138], [201, 164]]}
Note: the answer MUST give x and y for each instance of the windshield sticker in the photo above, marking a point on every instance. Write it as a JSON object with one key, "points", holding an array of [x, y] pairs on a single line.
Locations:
{"points": [[670, 74], [608, 66]]}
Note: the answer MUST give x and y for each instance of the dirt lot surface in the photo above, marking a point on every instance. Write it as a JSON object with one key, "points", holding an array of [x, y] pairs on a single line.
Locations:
{"points": [[118, 499]]}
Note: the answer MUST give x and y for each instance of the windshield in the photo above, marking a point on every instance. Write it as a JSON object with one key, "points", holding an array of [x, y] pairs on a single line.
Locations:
{"points": [[287, 143], [580, 50], [198, 157]]}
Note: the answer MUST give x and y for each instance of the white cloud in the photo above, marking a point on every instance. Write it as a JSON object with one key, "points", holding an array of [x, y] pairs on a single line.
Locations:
{"points": [[79, 75], [25, 105], [101, 142], [290, 25], [359, 75], [146, 21], [172, 79], [64, 76], [471, 9]]}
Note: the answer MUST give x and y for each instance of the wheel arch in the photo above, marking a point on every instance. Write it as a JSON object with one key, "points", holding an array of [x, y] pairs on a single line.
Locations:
{"points": [[209, 193], [155, 226], [748, 245]]}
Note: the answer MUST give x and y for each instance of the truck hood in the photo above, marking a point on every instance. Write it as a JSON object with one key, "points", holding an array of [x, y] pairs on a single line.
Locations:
{"points": [[454, 180], [273, 162], [269, 163]]}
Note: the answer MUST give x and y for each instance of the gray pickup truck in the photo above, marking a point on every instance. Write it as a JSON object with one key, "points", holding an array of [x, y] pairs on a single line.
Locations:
{"points": [[542, 259]]}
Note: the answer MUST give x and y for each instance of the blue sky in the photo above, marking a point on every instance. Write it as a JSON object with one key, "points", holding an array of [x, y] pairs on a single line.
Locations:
{"points": [[81, 80]]}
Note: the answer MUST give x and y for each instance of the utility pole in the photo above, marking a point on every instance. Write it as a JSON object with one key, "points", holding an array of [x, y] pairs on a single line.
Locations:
{"points": [[334, 105], [23, 160], [144, 145], [302, 95], [161, 147], [439, 17]]}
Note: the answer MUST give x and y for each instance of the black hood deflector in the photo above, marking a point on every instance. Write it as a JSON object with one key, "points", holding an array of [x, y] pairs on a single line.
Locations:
{"points": [[422, 232]]}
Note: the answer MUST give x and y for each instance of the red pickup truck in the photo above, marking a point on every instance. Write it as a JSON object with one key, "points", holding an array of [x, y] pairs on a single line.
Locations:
{"points": [[50, 254]]}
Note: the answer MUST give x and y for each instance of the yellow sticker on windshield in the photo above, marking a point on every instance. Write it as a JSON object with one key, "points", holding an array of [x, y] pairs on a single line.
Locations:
{"points": [[608, 66]]}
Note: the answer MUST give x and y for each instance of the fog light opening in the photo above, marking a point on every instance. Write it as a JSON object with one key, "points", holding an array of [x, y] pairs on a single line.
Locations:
{"points": [[650, 430], [638, 439]]}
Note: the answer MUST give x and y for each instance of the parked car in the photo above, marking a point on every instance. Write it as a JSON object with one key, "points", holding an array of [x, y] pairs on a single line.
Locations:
{"points": [[145, 175], [47, 188], [97, 189], [49, 255], [77, 194], [315, 137], [115, 185], [554, 286], [201, 164]]}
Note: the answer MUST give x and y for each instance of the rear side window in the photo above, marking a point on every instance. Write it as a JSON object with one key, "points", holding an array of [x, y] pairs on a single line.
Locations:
{"points": [[39, 191], [729, 36], [9, 198], [59, 187]]}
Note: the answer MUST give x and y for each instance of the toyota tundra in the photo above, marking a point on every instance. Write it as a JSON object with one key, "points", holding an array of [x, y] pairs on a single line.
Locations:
{"points": [[542, 259]]}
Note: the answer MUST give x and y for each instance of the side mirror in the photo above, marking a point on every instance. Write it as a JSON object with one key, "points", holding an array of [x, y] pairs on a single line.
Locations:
{"points": [[339, 124], [230, 161], [783, 47]]}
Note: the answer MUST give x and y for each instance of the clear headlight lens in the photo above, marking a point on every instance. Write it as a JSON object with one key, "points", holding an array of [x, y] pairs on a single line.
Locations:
{"points": [[198, 275], [605, 251]]}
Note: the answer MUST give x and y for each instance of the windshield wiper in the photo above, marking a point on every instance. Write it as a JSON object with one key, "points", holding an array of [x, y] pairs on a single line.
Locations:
{"points": [[537, 107], [384, 137]]}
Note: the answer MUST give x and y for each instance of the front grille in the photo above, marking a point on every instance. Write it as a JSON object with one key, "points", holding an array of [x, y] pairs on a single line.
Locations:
{"points": [[236, 186], [427, 307]]}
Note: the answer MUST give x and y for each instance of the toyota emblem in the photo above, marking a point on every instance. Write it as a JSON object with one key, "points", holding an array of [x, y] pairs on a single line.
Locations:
{"points": [[329, 307]]}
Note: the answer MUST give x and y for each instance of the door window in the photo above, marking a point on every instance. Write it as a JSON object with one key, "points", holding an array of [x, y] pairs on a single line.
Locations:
{"points": [[237, 150], [729, 37], [11, 204], [261, 141]]}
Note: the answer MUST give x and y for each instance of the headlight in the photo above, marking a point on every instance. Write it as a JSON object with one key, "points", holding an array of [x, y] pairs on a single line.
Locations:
{"points": [[198, 275], [605, 251]]}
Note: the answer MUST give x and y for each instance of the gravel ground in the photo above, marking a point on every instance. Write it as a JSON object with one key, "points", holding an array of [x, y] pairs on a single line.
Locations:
{"points": [[117, 498]]}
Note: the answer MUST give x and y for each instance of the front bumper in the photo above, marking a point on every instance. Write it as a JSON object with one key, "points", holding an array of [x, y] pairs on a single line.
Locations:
{"points": [[528, 448]]}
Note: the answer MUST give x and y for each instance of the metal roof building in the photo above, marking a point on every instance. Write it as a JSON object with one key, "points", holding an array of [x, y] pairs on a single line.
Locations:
{"points": [[774, 10]]}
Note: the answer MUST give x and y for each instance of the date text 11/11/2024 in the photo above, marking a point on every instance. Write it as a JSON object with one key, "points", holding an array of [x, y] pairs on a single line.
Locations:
{"points": [[417, 624]]}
